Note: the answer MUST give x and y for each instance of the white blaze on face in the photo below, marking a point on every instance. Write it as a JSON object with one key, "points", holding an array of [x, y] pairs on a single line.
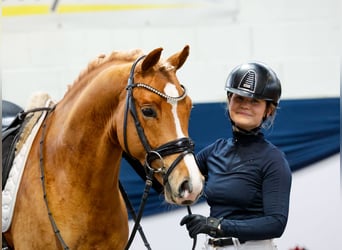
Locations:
{"points": [[170, 90]]}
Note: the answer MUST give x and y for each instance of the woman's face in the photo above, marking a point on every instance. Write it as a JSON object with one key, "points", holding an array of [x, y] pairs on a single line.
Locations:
{"points": [[246, 112]]}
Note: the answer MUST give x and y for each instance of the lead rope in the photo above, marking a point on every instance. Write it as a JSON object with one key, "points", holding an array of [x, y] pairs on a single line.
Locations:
{"points": [[195, 238]]}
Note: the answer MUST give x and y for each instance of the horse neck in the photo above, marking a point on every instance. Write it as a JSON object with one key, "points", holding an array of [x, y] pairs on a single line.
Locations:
{"points": [[84, 119], [93, 99]]}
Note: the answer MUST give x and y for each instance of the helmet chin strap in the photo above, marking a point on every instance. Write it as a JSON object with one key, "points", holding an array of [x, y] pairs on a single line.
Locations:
{"points": [[253, 131]]}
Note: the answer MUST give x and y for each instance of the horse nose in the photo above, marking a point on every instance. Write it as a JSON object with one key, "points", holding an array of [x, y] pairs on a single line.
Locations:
{"points": [[185, 188]]}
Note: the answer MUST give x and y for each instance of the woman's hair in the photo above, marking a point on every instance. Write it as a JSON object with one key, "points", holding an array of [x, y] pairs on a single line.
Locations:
{"points": [[272, 110]]}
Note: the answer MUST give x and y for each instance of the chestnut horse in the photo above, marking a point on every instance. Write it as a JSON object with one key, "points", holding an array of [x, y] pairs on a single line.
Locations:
{"points": [[123, 102]]}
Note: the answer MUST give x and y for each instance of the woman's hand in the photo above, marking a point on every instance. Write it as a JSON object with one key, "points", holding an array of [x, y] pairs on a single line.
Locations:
{"points": [[197, 224]]}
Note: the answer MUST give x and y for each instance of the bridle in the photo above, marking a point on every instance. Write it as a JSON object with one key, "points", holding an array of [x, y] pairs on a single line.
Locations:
{"points": [[183, 146]]}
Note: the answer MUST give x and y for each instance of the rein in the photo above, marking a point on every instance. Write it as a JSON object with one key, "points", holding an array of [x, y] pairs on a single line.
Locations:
{"points": [[183, 146], [22, 116], [42, 178]]}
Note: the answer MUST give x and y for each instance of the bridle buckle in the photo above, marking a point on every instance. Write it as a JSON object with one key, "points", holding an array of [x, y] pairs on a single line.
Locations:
{"points": [[152, 156]]}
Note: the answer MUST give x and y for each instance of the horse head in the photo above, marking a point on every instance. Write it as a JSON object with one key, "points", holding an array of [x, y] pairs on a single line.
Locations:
{"points": [[155, 128]]}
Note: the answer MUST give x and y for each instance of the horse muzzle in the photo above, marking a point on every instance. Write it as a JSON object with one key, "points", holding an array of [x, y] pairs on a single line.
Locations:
{"points": [[185, 184], [182, 180]]}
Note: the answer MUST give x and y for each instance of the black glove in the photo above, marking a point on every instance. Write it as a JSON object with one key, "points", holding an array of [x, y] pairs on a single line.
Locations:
{"points": [[197, 224]]}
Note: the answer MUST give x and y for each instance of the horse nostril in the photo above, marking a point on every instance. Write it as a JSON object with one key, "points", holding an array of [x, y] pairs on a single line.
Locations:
{"points": [[185, 186]]}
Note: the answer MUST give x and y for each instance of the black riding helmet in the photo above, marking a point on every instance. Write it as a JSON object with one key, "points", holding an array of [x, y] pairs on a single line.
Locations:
{"points": [[255, 80]]}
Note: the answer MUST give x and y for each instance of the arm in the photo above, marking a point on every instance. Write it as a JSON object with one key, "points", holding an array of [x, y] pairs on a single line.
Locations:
{"points": [[276, 192], [266, 227]]}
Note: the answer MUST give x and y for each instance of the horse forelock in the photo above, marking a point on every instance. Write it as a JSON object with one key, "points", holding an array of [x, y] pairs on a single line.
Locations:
{"points": [[166, 66], [103, 59]]}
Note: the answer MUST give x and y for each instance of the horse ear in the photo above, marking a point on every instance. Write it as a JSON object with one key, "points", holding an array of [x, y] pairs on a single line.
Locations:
{"points": [[178, 59], [151, 59]]}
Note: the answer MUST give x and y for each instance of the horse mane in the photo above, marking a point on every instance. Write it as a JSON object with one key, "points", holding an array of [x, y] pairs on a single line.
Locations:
{"points": [[102, 59]]}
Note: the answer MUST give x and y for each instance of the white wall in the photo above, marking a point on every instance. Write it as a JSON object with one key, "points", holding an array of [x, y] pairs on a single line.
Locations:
{"points": [[298, 38]]}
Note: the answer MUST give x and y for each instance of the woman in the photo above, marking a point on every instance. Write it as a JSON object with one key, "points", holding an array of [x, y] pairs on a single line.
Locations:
{"points": [[248, 179]]}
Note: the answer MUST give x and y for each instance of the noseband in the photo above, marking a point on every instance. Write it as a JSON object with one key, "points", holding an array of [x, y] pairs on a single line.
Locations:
{"points": [[183, 145]]}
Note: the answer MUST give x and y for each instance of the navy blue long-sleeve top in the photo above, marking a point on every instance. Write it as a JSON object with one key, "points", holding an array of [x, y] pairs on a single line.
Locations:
{"points": [[248, 182]]}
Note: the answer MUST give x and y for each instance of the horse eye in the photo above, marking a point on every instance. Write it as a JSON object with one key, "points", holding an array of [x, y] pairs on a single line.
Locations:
{"points": [[149, 112]]}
